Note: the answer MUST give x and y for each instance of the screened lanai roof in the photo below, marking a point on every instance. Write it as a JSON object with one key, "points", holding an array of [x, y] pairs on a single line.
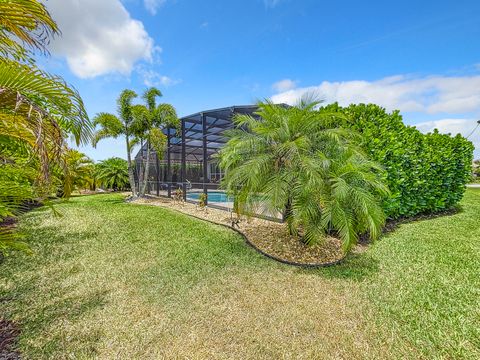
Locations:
{"points": [[208, 125]]}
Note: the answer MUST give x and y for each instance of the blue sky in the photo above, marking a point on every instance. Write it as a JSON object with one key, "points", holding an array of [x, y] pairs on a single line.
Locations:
{"points": [[421, 57]]}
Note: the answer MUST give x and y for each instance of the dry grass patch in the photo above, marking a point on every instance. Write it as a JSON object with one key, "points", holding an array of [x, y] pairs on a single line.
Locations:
{"points": [[268, 236]]}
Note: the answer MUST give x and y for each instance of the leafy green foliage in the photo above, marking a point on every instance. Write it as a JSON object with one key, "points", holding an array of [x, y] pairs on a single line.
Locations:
{"points": [[424, 172], [297, 161], [202, 200], [24, 26], [121, 125], [149, 122], [77, 172], [37, 111], [112, 173]]}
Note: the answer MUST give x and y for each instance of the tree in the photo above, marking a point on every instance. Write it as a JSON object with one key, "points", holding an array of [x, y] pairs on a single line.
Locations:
{"points": [[150, 121], [112, 173], [297, 161], [77, 172], [121, 125], [37, 111]]}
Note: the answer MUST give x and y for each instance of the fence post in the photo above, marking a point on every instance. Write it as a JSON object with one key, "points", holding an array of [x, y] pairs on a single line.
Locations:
{"points": [[205, 157], [184, 163]]}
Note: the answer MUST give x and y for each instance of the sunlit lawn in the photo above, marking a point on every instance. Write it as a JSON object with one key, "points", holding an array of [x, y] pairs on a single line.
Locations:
{"points": [[117, 280]]}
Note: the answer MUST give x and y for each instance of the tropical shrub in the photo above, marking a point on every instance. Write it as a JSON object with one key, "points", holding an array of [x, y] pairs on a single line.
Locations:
{"points": [[425, 172], [37, 112], [78, 172], [112, 173], [296, 161], [202, 200]]}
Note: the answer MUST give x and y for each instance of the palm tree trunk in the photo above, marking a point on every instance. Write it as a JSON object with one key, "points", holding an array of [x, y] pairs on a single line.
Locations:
{"points": [[147, 171], [131, 176], [287, 216]]}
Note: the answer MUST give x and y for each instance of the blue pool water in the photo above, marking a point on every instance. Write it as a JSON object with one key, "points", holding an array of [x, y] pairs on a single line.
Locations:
{"points": [[213, 196]]}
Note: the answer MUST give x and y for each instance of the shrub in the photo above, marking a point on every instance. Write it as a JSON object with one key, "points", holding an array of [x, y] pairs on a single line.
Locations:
{"points": [[112, 173], [425, 172], [202, 200], [296, 161]]}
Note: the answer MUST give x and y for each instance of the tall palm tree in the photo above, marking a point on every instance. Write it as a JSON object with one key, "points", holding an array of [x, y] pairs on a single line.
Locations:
{"points": [[150, 121], [121, 125], [296, 161]]}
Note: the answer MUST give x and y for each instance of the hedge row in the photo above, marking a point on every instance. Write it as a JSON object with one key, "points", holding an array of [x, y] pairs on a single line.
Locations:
{"points": [[426, 173]]}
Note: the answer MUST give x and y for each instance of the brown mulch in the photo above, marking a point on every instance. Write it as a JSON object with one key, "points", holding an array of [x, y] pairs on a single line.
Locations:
{"points": [[9, 333], [269, 237]]}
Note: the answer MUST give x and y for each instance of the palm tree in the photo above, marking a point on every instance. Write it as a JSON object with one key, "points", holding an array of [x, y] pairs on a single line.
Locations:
{"points": [[77, 171], [150, 121], [112, 173], [296, 161], [37, 110], [121, 125], [24, 26]]}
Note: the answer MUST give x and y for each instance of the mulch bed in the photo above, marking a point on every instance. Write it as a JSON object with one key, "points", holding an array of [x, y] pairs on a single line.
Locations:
{"points": [[268, 237], [9, 333]]}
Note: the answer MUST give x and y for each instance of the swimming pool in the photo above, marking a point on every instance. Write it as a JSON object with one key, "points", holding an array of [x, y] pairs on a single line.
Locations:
{"points": [[213, 196]]}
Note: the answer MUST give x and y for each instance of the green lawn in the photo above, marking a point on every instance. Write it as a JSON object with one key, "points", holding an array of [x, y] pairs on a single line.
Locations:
{"points": [[116, 280]]}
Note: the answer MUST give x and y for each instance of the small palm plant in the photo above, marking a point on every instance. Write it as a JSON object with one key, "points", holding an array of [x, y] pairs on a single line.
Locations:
{"points": [[202, 201], [297, 161], [76, 172], [112, 173]]}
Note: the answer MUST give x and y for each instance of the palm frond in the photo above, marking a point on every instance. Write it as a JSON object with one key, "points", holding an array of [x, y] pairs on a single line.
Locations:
{"points": [[27, 21], [298, 161], [25, 89]]}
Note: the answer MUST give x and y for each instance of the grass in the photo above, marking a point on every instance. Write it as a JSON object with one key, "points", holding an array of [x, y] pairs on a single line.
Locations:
{"points": [[116, 280]]}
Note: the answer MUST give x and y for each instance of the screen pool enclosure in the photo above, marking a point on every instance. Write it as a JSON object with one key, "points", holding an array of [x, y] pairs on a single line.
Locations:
{"points": [[190, 160]]}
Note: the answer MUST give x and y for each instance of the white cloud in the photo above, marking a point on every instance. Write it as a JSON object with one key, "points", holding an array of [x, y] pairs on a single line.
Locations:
{"points": [[432, 94], [99, 37], [284, 85], [153, 78], [453, 127], [153, 5], [271, 3]]}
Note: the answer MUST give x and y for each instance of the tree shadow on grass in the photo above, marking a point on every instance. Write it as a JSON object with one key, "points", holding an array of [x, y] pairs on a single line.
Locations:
{"points": [[68, 308], [37, 323], [112, 200]]}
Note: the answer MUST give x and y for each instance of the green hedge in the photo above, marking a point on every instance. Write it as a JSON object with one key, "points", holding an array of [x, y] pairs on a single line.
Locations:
{"points": [[425, 172]]}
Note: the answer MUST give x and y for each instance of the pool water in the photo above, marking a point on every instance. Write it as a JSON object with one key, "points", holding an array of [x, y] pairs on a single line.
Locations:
{"points": [[213, 196]]}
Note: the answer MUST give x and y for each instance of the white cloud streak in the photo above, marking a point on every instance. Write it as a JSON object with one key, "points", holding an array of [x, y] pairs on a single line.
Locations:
{"points": [[271, 3], [453, 127], [432, 95], [152, 78], [153, 5], [99, 37], [284, 85]]}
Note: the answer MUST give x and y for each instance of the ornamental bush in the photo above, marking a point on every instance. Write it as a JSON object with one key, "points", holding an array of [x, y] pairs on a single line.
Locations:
{"points": [[426, 173]]}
